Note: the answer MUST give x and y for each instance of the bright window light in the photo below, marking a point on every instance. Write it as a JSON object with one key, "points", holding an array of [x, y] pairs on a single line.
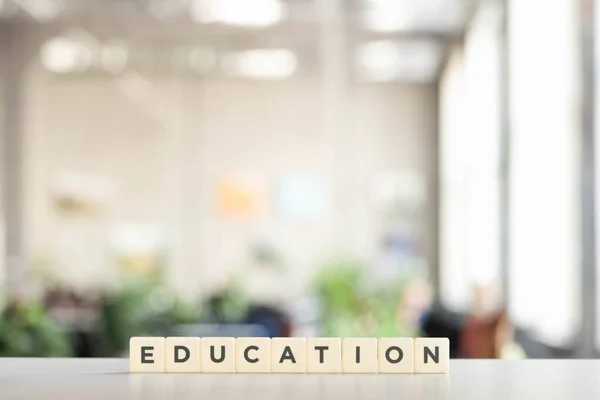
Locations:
{"points": [[64, 55], [261, 63], [454, 144], [247, 13], [470, 164], [544, 227], [385, 61]]}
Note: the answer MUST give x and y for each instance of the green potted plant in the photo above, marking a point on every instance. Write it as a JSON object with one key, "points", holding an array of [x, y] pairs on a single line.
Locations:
{"points": [[28, 330], [142, 306], [352, 305]]}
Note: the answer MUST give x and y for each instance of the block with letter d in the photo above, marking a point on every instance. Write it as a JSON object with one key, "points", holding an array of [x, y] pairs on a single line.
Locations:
{"points": [[182, 354]]}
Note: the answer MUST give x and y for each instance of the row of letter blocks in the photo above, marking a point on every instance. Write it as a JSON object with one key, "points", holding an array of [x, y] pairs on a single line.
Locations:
{"points": [[290, 355]]}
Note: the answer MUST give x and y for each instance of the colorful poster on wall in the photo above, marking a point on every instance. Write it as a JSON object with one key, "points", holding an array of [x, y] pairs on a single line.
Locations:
{"points": [[302, 197], [240, 196], [83, 193]]}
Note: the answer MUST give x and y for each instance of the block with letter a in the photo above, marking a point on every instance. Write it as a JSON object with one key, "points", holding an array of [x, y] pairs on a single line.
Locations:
{"points": [[288, 355]]}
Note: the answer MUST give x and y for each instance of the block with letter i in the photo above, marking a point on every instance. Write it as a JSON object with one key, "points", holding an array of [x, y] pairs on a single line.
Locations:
{"points": [[432, 355], [359, 355], [147, 354]]}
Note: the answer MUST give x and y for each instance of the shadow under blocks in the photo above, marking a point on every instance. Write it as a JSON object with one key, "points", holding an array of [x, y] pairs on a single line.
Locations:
{"points": [[290, 355]]}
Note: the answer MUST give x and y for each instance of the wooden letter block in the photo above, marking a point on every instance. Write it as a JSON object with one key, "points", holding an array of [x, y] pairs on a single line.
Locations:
{"points": [[182, 354], [288, 355], [253, 355], [217, 355], [359, 355], [147, 354], [324, 355], [396, 356], [432, 355]]}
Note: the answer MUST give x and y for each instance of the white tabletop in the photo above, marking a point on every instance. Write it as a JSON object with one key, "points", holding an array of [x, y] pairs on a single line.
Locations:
{"points": [[109, 379]]}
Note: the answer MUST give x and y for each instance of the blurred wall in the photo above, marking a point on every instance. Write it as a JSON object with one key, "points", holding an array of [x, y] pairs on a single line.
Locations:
{"points": [[2, 127], [157, 147]]}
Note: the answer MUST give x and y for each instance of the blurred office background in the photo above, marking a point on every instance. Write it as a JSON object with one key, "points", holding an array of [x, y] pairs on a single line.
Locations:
{"points": [[299, 168]]}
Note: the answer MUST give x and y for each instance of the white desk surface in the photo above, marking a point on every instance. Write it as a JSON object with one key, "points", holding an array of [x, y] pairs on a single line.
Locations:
{"points": [[81, 379]]}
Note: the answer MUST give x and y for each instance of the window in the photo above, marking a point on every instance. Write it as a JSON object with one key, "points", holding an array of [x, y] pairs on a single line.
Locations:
{"points": [[470, 161], [544, 259]]}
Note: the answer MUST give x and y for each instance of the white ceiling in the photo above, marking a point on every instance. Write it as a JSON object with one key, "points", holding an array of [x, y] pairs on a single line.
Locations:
{"points": [[440, 16], [386, 40]]}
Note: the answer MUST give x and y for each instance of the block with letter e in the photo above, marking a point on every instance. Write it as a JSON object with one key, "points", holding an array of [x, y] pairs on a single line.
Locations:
{"points": [[147, 354]]}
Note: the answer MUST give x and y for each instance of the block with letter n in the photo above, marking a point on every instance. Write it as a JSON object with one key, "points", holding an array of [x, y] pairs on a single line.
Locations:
{"points": [[432, 355]]}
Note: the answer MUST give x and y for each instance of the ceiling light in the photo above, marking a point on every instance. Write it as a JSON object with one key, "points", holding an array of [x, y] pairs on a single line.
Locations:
{"points": [[63, 55], [389, 16], [379, 60], [261, 64], [403, 15], [114, 56], [247, 13], [42, 10], [385, 61]]}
